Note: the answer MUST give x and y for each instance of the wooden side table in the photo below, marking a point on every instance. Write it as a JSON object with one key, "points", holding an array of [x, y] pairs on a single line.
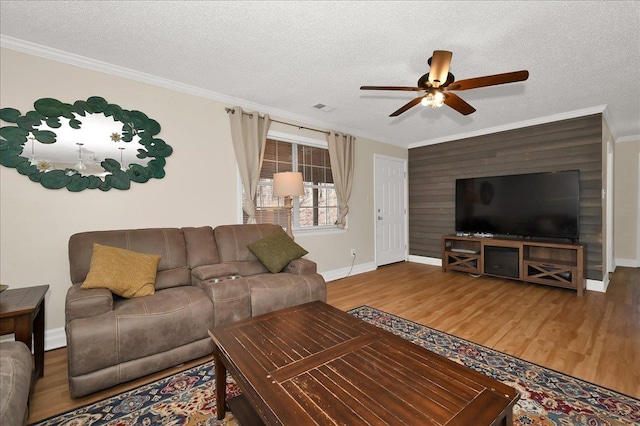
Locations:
{"points": [[22, 313]]}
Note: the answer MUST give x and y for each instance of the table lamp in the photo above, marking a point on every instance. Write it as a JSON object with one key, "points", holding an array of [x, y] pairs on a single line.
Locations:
{"points": [[287, 185]]}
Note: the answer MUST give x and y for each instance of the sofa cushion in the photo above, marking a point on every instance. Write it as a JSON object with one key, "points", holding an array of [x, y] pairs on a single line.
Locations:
{"points": [[172, 317], [270, 292], [233, 241], [169, 243], [245, 269], [126, 273], [277, 250], [139, 328], [201, 246]]}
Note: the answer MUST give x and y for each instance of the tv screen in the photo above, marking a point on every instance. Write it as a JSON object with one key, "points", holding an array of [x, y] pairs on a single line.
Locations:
{"points": [[527, 205]]}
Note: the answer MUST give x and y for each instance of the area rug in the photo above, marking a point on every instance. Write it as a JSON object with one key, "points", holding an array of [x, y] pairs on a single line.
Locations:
{"points": [[547, 397]]}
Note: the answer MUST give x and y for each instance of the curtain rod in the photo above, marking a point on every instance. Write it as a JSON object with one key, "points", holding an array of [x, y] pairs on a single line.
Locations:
{"points": [[232, 111]]}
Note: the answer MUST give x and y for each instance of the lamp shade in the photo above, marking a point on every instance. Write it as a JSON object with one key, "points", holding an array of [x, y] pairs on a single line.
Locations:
{"points": [[287, 184]]}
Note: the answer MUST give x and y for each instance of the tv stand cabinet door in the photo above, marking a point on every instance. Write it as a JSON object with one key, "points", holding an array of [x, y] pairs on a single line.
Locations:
{"points": [[462, 262], [461, 254], [559, 265]]}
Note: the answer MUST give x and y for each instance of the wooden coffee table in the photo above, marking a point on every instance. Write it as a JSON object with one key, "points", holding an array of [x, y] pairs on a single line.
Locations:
{"points": [[314, 364]]}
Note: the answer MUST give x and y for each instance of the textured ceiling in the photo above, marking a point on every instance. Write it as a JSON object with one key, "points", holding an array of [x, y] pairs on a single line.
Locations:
{"points": [[284, 57]]}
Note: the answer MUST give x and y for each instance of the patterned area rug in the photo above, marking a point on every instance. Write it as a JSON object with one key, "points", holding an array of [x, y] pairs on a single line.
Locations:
{"points": [[546, 396]]}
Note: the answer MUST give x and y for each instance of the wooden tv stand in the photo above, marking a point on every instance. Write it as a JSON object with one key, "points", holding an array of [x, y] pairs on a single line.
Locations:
{"points": [[549, 263]]}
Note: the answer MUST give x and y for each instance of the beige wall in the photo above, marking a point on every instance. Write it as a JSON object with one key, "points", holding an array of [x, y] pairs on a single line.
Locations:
{"points": [[200, 187], [333, 251], [626, 193]]}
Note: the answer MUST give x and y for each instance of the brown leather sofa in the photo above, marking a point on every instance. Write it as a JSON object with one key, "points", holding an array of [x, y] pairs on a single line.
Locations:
{"points": [[205, 278]]}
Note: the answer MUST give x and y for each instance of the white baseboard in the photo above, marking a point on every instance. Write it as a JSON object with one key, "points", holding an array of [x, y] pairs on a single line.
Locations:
{"points": [[53, 339], [628, 263], [600, 286], [434, 261], [360, 268]]}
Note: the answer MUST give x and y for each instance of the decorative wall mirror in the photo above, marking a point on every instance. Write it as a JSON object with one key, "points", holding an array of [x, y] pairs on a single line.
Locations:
{"points": [[90, 144]]}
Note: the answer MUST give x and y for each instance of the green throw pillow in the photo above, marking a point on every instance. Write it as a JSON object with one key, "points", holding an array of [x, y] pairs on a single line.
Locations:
{"points": [[276, 250]]}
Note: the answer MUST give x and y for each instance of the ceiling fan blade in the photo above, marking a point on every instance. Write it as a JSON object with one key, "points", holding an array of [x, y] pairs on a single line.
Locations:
{"points": [[440, 62], [414, 89], [408, 105], [457, 103], [489, 80]]}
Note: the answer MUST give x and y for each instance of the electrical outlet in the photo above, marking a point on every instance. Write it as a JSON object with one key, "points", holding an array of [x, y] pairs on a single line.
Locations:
{"points": [[353, 252]]}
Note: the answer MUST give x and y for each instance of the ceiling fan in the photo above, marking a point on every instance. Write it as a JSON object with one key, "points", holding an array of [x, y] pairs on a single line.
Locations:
{"points": [[439, 83]]}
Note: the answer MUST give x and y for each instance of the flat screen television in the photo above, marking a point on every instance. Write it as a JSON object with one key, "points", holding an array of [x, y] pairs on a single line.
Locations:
{"points": [[535, 205]]}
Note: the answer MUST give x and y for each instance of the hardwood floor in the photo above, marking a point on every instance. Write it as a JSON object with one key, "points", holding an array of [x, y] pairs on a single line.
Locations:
{"points": [[595, 337]]}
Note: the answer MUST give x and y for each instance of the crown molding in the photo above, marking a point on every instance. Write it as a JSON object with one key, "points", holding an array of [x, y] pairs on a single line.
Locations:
{"points": [[107, 68], [608, 119], [118, 71], [614, 134], [512, 126], [632, 138]]}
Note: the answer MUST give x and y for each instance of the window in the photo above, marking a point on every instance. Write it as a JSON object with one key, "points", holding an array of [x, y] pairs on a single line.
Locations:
{"points": [[318, 208]]}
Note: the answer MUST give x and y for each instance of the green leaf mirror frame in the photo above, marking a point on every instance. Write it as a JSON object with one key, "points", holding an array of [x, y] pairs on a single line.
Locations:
{"points": [[49, 111]]}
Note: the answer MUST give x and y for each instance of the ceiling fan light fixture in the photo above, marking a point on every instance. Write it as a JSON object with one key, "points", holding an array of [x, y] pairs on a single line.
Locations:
{"points": [[433, 99], [439, 80], [438, 100]]}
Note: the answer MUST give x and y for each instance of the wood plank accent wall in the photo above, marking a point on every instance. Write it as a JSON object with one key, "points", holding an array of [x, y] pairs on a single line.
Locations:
{"points": [[564, 145]]}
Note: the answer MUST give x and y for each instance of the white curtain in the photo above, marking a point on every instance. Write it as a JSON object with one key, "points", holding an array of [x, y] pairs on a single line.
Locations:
{"points": [[342, 156], [249, 135]]}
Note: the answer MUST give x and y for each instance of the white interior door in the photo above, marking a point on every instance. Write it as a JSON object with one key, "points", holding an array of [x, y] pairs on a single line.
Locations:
{"points": [[391, 209]]}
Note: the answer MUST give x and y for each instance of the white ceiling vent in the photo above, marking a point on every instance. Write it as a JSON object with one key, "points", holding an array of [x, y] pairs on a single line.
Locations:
{"points": [[323, 107]]}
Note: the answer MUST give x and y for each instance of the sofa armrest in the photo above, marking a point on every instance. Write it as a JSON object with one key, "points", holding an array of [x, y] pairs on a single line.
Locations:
{"points": [[84, 303], [209, 272], [301, 266], [231, 299]]}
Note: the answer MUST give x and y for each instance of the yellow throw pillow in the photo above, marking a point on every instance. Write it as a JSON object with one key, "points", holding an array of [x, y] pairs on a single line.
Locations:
{"points": [[126, 273]]}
